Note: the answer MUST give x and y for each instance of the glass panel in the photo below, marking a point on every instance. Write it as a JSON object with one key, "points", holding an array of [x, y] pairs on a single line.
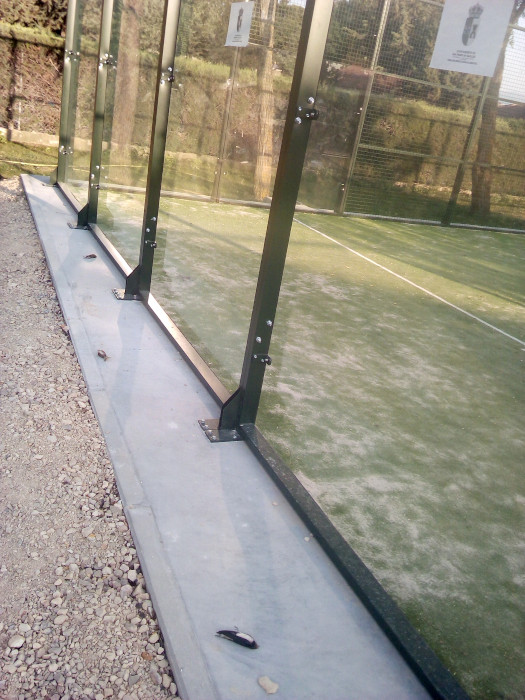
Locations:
{"points": [[393, 395], [205, 271], [135, 43], [225, 131], [82, 98]]}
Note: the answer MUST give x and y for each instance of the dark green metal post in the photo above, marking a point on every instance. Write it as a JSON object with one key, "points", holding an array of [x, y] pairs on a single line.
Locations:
{"points": [[467, 148], [363, 108], [242, 407], [88, 214], [69, 82], [138, 283]]}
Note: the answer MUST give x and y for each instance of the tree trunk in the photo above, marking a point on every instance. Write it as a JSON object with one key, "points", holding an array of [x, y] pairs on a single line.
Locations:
{"points": [[263, 166], [128, 69], [16, 69], [481, 170]]}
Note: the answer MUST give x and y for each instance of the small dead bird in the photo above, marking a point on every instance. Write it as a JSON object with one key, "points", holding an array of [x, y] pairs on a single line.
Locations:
{"points": [[103, 355], [245, 640], [90, 256]]}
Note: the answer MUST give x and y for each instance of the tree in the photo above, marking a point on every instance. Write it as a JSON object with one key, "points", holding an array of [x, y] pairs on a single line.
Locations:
{"points": [[48, 14], [207, 24], [481, 170], [263, 166], [127, 88]]}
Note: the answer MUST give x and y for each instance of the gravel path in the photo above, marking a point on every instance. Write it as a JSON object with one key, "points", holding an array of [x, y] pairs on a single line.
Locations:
{"points": [[75, 619]]}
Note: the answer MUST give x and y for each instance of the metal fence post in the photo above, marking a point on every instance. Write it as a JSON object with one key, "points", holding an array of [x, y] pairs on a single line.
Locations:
{"points": [[138, 283], [364, 108], [241, 407], [69, 83]]}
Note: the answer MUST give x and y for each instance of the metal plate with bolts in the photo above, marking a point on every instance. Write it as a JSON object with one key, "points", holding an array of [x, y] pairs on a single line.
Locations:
{"points": [[121, 295], [216, 434], [73, 224]]}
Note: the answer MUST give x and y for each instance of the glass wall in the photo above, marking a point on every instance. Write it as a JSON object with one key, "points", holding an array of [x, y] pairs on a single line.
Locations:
{"points": [[394, 394], [224, 136]]}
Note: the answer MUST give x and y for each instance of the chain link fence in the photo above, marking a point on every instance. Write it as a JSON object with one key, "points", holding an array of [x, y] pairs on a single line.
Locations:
{"points": [[387, 119], [390, 123], [442, 146], [30, 82]]}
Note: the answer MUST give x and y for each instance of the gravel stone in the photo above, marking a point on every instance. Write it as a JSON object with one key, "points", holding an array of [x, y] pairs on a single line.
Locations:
{"points": [[68, 611], [16, 641]]}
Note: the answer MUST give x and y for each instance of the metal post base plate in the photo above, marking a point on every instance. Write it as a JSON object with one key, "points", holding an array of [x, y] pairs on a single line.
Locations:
{"points": [[121, 295], [75, 225], [216, 434]]}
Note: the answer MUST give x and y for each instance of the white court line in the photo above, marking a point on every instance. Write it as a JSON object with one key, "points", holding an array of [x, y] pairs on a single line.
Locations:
{"points": [[413, 284]]}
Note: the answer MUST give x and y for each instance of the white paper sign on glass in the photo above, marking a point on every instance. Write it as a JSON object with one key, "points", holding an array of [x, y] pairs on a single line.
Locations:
{"points": [[240, 22], [471, 35]]}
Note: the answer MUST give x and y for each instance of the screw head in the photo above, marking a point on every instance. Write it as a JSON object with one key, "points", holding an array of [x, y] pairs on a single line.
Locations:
{"points": [[269, 323], [258, 339], [311, 100], [298, 120]]}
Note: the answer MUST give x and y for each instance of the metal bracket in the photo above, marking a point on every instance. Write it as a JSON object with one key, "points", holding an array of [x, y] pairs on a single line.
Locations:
{"points": [[265, 359], [169, 78], [121, 295], [215, 434], [76, 225], [82, 219], [107, 60], [306, 113], [71, 55]]}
